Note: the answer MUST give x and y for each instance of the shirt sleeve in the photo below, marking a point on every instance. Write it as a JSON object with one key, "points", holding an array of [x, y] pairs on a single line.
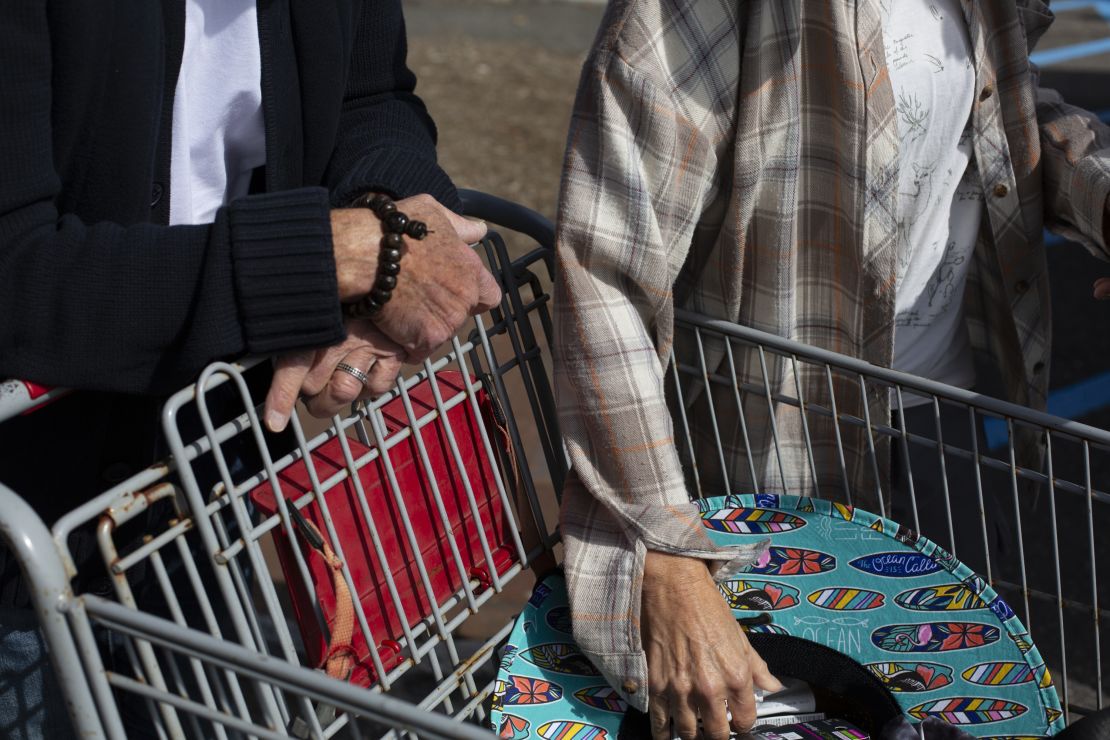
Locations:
{"points": [[1075, 152], [386, 141], [637, 176], [1075, 155]]}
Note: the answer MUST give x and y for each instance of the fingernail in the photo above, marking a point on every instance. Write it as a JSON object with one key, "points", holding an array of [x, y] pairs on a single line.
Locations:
{"points": [[275, 420], [778, 685]]}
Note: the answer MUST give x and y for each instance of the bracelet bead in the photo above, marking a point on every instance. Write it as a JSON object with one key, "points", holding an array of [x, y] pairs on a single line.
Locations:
{"points": [[396, 222], [395, 226], [377, 201]]}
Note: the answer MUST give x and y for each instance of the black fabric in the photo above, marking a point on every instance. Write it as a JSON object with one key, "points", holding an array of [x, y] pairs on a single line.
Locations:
{"points": [[842, 687], [97, 292], [930, 729], [1092, 727]]}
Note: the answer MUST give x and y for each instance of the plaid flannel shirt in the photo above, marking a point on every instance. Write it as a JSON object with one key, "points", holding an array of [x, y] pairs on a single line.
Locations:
{"points": [[739, 158]]}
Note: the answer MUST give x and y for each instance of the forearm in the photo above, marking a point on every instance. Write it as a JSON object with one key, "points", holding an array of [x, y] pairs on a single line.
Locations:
{"points": [[143, 308]]}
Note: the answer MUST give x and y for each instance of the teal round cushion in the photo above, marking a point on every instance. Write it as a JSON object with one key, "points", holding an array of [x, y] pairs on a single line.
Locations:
{"points": [[934, 632]]}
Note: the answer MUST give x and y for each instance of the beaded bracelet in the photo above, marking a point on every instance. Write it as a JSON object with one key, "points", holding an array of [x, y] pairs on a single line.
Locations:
{"points": [[395, 226]]}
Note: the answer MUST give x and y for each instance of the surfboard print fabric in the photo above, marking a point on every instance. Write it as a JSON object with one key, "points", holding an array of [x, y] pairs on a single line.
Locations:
{"points": [[935, 633]]}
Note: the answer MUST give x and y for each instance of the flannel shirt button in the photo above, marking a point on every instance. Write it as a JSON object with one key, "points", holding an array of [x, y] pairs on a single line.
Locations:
{"points": [[1001, 190], [1038, 368], [630, 687], [986, 93], [1021, 287]]}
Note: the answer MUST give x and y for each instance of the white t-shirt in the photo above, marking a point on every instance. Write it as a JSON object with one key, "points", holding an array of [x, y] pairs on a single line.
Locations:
{"points": [[940, 206], [218, 133]]}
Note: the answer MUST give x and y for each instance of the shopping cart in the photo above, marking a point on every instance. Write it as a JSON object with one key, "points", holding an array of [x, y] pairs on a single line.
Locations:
{"points": [[233, 527]]}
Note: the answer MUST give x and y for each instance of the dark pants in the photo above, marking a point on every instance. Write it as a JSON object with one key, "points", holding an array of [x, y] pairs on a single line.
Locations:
{"points": [[953, 519]]}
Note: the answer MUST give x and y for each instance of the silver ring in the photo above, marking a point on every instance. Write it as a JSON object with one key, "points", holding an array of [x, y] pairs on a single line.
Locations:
{"points": [[351, 370]]}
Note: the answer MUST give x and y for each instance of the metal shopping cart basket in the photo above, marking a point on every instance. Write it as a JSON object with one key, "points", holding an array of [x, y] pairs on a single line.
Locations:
{"points": [[226, 602]]}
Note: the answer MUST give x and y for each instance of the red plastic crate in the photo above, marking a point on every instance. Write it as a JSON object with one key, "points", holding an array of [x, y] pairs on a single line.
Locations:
{"points": [[417, 494]]}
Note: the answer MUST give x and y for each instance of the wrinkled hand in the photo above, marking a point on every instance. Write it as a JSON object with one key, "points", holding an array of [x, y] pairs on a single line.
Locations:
{"points": [[327, 391], [699, 660], [442, 280]]}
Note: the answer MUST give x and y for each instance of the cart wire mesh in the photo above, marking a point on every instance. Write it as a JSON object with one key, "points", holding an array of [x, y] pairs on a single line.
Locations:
{"points": [[196, 637], [1018, 495]]}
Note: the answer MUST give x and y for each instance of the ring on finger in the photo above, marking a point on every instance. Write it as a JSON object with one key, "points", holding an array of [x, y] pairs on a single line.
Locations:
{"points": [[352, 370]]}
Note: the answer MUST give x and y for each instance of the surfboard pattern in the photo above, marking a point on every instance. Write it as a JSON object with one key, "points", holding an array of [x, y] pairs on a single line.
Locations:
{"points": [[759, 595], [935, 637], [746, 520], [513, 727], [792, 561], [560, 657], [570, 730], [969, 710], [998, 673], [521, 690], [896, 564], [602, 697], [952, 597], [912, 676], [846, 599]]}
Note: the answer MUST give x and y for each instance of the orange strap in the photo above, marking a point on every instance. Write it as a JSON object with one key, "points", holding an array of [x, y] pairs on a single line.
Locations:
{"points": [[339, 661], [529, 531]]}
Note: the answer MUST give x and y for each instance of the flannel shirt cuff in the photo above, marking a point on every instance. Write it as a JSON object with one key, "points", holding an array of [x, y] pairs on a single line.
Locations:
{"points": [[604, 566], [1089, 193]]}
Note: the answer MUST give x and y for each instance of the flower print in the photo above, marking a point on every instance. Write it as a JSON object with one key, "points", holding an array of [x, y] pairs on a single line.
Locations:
{"points": [[802, 562], [964, 636], [523, 690]]}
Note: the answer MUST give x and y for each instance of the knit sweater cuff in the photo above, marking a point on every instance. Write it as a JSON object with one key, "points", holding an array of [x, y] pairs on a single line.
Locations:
{"points": [[400, 173], [281, 252]]}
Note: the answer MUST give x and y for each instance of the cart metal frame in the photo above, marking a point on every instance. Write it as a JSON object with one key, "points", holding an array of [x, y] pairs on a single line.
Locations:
{"points": [[218, 658]]}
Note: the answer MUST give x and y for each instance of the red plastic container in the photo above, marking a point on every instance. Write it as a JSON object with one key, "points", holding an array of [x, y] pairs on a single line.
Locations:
{"points": [[417, 497]]}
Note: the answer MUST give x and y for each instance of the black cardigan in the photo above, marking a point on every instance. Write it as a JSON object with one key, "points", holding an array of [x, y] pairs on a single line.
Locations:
{"points": [[96, 291]]}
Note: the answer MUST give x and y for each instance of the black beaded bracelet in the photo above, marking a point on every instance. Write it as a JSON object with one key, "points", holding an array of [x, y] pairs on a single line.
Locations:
{"points": [[396, 226]]}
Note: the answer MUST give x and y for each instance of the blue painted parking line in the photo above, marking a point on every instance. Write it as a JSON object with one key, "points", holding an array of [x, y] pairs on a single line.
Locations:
{"points": [[1048, 57], [1072, 402], [1061, 54], [1063, 6]]}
